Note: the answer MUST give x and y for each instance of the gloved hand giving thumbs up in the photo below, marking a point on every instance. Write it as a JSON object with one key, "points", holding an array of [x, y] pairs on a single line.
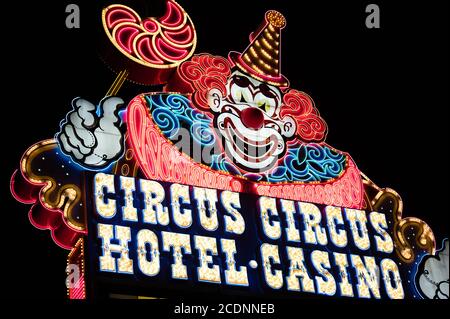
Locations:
{"points": [[91, 139]]}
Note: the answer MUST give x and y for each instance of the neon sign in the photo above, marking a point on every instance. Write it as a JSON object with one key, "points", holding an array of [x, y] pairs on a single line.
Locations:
{"points": [[139, 227], [222, 179]]}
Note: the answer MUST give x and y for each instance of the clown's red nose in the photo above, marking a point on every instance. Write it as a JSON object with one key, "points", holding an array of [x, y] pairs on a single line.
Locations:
{"points": [[253, 118]]}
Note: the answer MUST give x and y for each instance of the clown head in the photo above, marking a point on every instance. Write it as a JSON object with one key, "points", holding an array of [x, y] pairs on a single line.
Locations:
{"points": [[248, 119], [254, 111]]}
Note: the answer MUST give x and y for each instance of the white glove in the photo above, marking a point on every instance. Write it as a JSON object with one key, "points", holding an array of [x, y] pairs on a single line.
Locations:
{"points": [[90, 140]]}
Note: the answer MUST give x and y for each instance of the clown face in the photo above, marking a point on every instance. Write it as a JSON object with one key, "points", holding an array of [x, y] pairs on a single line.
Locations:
{"points": [[248, 121]]}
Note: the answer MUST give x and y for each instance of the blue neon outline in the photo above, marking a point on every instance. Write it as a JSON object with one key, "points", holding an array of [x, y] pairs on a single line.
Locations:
{"points": [[416, 268], [82, 167]]}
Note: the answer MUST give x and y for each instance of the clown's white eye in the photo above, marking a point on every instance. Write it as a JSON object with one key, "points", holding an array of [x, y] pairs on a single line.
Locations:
{"points": [[266, 104], [240, 94]]}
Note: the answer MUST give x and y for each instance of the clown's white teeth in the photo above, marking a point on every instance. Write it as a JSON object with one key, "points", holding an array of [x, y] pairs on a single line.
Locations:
{"points": [[252, 141], [250, 152]]}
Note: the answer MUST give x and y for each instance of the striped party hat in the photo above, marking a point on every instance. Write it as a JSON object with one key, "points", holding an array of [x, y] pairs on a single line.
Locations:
{"points": [[261, 59]]}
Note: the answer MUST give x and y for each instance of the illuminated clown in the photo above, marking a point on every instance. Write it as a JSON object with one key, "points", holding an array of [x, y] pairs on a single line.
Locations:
{"points": [[252, 109], [267, 130]]}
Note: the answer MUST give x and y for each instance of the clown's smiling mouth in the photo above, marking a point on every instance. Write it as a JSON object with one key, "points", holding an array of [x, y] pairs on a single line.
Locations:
{"points": [[249, 150]]}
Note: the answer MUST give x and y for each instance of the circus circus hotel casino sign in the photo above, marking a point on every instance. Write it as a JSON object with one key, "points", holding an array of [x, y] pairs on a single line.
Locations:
{"points": [[222, 183]]}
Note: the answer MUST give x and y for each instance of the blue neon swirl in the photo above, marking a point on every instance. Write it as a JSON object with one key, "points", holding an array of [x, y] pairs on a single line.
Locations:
{"points": [[308, 163], [173, 111], [301, 163]]}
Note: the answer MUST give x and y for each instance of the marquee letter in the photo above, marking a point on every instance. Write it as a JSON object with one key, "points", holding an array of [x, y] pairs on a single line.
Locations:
{"points": [[105, 207], [231, 202], [344, 286], [232, 275], [292, 232], [311, 217], [393, 291], [154, 196], [334, 218], [297, 270], [268, 207], [321, 262], [144, 237], [178, 242], [274, 279], [206, 273], [180, 193], [358, 225], [203, 195], [129, 212], [367, 276], [383, 240], [123, 234]]}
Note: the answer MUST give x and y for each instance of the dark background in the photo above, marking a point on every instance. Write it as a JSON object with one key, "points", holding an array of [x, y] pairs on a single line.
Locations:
{"points": [[384, 94]]}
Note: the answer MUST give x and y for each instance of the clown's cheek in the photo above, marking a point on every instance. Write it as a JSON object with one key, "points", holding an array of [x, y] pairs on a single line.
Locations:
{"points": [[214, 100], [288, 127]]}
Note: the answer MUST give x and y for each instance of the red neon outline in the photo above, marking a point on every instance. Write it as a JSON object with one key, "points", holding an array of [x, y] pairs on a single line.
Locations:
{"points": [[165, 49], [173, 12], [153, 23], [120, 11], [40, 215], [161, 160], [185, 32], [77, 293], [122, 36], [164, 41], [149, 55]]}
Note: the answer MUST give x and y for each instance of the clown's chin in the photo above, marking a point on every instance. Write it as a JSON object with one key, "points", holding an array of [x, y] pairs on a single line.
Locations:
{"points": [[251, 152]]}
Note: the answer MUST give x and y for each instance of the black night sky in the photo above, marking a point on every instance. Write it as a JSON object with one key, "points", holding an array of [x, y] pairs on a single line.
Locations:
{"points": [[384, 94]]}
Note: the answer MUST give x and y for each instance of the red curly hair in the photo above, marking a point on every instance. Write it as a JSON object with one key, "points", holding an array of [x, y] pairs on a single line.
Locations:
{"points": [[205, 72]]}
